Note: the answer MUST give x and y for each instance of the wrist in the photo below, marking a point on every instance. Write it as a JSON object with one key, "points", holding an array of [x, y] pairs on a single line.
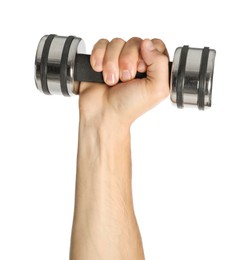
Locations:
{"points": [[104, 127]]}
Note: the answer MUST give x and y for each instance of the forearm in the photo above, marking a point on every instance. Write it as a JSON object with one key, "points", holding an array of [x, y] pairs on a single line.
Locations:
{"points": [[104, 224]]}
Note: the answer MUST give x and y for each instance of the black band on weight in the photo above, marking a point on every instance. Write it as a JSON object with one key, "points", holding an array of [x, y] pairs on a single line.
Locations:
{"points": [[63, 65], [202, 78], [181, 76], [44, 63]]}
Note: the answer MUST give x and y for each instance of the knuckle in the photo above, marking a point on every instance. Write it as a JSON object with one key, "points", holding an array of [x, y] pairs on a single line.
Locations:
{"points": [[118, 40], [159, 44], [135, 39], [102, 43]]}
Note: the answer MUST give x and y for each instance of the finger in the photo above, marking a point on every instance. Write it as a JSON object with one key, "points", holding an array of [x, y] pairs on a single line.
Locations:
{"points": [[157, 69], [160, 46], [111, 61], [98, 54], [141, 66], [129, 57]]}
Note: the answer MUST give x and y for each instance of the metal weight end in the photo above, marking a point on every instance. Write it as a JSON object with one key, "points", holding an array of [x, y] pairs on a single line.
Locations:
{"points": [[192, 77], [54, 64]]}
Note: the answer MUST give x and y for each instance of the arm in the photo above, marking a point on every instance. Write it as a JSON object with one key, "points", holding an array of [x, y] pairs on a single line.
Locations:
{"points": [[104, 225]]}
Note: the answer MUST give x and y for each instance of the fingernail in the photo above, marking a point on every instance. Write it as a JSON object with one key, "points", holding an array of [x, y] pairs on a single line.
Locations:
{"points": [[126, 75], [141, 66], [110, 79]]}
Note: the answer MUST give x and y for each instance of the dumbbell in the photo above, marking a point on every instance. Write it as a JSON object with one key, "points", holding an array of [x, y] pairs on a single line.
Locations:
{"points": [[61, 64]]}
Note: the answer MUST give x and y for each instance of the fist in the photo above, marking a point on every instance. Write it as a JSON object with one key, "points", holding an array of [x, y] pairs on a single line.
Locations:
{"points": [[123, 95]]}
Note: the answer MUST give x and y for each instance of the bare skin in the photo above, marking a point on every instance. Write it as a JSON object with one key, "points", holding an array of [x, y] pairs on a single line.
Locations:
{"points": [[104, 225]]}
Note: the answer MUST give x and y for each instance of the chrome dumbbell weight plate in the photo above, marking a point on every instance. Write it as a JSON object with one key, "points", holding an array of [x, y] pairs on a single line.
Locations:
{"points": [[192, 76], [54, 64]]}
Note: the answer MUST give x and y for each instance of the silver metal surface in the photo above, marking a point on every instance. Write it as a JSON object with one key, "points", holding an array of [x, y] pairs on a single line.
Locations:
{"points": [[53, 66], [191, 78], [38, 62]]}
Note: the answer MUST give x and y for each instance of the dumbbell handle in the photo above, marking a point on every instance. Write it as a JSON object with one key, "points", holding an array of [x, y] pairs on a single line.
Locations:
{"points": [[83, 71]]}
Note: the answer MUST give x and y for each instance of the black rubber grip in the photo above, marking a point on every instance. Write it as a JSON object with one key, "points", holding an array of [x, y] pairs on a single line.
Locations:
{"points": [[84, 72]]}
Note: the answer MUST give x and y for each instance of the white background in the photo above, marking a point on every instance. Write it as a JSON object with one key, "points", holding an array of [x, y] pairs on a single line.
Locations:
{"points": [[190, 168]]}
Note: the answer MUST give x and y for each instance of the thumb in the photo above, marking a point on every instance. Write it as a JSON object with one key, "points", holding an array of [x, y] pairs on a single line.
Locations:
{"points": [[157, 67]]}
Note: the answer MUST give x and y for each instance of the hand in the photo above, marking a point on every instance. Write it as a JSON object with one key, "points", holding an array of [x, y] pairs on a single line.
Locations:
{"points": [[119, 61]]}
